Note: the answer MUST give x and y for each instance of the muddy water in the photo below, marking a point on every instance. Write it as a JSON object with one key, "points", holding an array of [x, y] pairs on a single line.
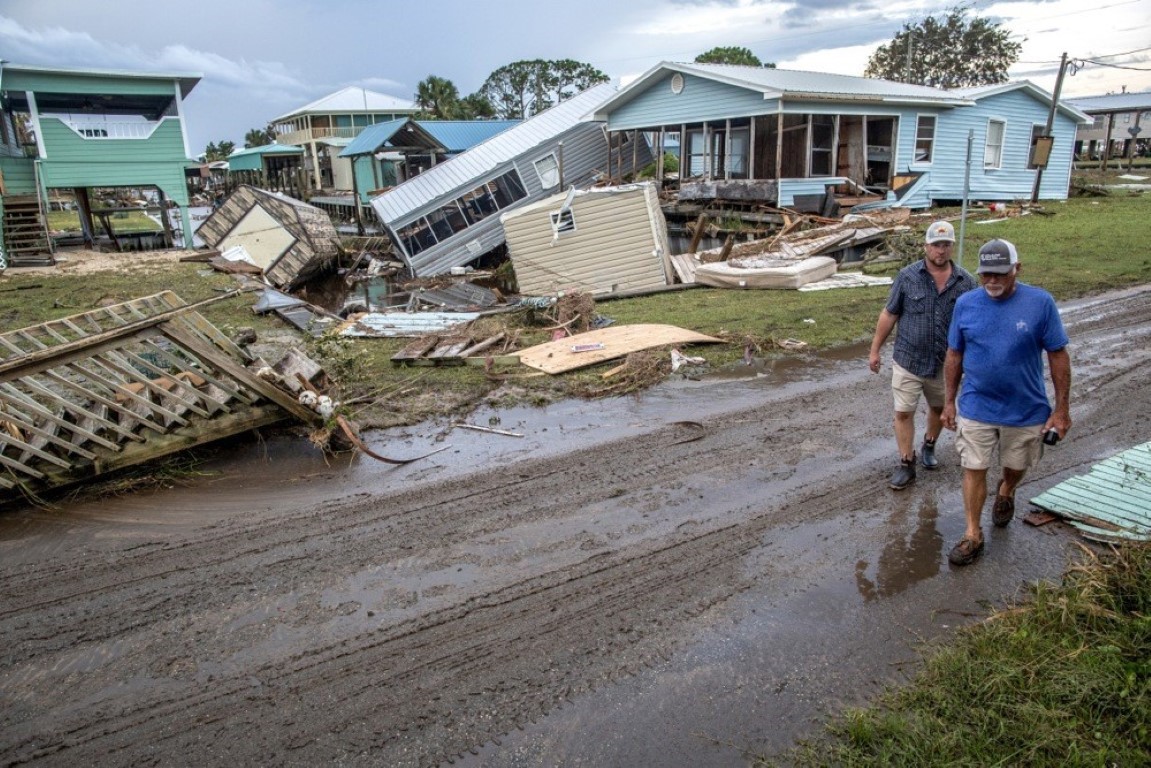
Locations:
{"points": [[264, 472]]}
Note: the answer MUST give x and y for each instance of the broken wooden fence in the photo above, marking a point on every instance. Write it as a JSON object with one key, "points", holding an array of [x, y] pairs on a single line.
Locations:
{"points": [[122, 385]]}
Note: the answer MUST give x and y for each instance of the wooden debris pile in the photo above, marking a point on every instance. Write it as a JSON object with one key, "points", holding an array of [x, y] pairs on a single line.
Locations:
{"points": [[122, 385]]}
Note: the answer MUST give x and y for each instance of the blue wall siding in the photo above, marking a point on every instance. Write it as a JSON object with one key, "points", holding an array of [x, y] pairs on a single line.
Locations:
{"points": [[700, 100], [1013, 179]]}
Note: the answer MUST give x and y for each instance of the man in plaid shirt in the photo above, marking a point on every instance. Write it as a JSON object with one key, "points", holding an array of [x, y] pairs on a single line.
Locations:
{"points": [[919, 308]]}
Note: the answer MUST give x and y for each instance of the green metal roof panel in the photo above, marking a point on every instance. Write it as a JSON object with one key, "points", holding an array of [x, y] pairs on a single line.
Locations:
{"points": [[1112, 502]]}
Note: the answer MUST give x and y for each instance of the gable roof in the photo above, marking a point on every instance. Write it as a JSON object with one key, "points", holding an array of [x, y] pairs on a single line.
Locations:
{"points": [[978, 92], [351, 100], [789, 84], [375, 137], [485, 157]]}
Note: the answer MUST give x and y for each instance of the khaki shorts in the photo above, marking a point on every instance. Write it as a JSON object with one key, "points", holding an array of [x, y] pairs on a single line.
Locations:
{"points": [[907, 388], [1020, 448]]}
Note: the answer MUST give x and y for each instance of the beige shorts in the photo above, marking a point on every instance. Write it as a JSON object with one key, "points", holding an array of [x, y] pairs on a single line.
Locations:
{"points": [[1020, 448], [908, 388]]}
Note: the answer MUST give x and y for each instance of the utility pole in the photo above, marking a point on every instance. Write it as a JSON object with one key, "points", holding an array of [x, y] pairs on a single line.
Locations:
{"points": [[1050, 124], [907, 66]]}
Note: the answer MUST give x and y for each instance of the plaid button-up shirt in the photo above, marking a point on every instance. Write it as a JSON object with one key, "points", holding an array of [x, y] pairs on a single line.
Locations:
{"points": [[924, 315]]}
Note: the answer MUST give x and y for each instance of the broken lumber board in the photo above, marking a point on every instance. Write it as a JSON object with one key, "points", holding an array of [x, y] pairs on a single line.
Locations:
{"points": [[558, 357]]}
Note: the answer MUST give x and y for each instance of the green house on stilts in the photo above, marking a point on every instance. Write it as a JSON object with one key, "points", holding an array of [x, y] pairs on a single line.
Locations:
{"points": [[74, 130]]}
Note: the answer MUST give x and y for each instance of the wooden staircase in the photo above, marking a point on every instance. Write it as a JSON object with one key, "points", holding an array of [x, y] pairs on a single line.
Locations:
{"points": [[26, 242]]}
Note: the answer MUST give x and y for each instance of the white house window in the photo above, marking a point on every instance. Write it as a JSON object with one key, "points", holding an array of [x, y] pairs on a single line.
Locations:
{"points": [[924, 138], [993, 148], [548, 170]]}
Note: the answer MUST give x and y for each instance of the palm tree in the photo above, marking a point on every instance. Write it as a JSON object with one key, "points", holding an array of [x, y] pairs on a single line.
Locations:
{"points": [[438, 97], [258, 137]]}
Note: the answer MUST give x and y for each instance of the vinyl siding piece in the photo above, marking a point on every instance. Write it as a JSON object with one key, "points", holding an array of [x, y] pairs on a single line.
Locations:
{"points": [[619, 243]]}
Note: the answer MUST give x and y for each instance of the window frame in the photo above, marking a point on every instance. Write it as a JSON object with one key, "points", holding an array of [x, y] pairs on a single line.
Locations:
{"points": [[552, 174], [920, 140], [994, 163]]}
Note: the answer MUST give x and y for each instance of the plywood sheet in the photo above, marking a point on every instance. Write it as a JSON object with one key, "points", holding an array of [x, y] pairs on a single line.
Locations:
{"points": [[606, 344]]}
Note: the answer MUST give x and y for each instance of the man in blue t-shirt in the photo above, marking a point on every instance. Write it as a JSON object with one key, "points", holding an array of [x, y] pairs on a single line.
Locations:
{"points": [[995, 345]]}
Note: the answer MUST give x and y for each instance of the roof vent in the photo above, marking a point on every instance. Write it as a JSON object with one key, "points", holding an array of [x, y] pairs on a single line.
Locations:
{"points": [[677, 83]]}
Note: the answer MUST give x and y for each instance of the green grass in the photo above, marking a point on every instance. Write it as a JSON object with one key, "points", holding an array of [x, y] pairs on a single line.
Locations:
{"points": [[1081, 247], [122, 222], [1061, 680]]}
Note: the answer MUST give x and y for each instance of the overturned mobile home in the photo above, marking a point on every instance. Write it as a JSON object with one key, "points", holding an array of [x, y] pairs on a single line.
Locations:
{"points": [[126, 384], [449, 215], [289, 240], [602, 241]]}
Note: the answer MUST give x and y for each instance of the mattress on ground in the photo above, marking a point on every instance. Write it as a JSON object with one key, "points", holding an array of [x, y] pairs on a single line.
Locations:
{"points": [[792, 275]]}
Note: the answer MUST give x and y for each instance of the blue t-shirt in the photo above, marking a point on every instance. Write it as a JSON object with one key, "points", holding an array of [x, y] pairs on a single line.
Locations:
{"points": [[1002, 342]]}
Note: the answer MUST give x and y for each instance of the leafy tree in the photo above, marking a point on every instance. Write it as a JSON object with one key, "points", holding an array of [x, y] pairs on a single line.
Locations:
{"points": [[438, 98], [524, 88], [476, 107], [732, 55], [950, 51], [259, 137], [219, 151]]}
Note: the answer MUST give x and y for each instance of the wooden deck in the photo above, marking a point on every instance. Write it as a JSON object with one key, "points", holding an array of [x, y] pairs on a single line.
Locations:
{"points": [[122, 385]]}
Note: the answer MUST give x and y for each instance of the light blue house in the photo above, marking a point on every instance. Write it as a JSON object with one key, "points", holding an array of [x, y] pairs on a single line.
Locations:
{"points": [[809, 140], [269, 158]]}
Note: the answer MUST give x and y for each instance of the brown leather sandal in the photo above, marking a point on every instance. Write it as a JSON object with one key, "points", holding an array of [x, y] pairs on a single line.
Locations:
{"points": [[965, 552]]}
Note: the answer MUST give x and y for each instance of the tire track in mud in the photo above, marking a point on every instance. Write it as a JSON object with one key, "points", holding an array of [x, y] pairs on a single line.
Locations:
{"points": [[382, 691], [127, 591], [423, 689]]}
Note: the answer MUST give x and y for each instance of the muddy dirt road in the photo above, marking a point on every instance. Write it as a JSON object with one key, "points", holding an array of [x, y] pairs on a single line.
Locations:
{"points": [[615, 587]]}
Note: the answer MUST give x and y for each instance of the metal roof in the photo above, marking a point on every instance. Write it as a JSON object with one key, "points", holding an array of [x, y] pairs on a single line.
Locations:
{"points": [[381, 135], [269, 149], [187, 80], [351, 100], [790, 84], [1112, 502], [1113, 102], [459, 135], [484, 158]]}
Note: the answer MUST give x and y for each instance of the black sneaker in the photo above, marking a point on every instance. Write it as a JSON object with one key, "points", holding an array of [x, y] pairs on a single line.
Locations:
{"points": [[927, 455], [904, 474]]}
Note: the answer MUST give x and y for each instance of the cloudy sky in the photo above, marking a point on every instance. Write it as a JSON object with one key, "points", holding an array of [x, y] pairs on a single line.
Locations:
{"points": [[260, 59]]}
